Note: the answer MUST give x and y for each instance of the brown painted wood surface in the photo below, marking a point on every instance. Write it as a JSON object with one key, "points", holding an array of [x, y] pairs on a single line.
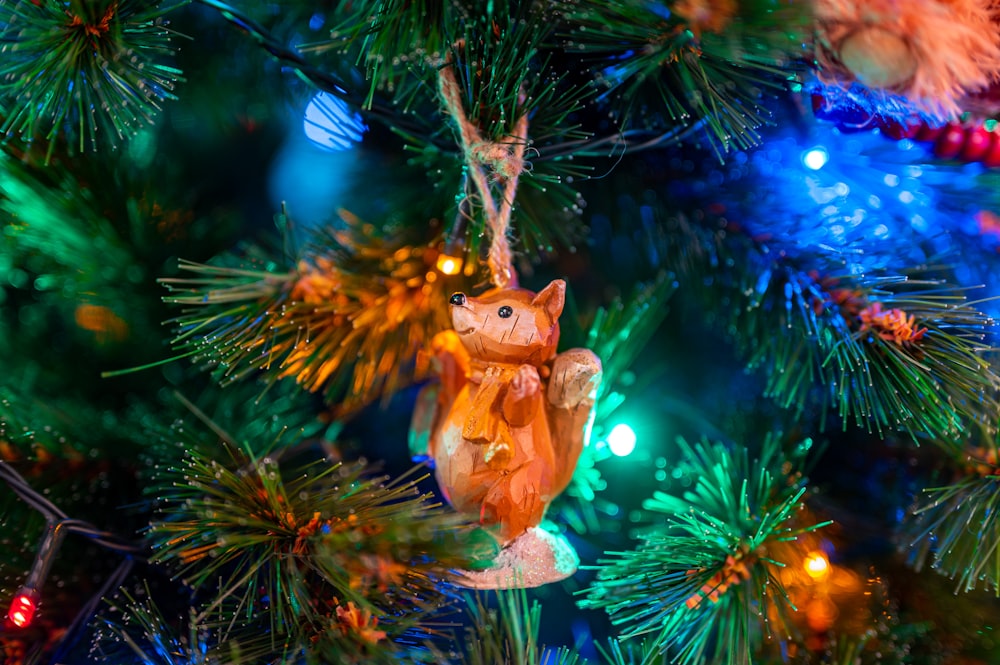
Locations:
{"points": [[511, 417]]}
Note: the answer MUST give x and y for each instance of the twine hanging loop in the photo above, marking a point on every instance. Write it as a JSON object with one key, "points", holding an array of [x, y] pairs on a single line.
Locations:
{"points": [[504, 159]]}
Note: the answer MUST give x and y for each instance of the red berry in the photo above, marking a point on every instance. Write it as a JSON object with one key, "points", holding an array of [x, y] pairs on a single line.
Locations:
{"points": [[928, 133], [950, 142], [992, 156], [818, 102], [896, 130], [977, 143]]}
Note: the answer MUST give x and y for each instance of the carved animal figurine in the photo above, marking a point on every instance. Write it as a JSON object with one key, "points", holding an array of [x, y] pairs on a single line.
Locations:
{"points": [[506, 424]]}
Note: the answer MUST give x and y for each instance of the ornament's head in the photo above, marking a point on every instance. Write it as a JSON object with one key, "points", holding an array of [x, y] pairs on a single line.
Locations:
{"points": [[510, 325]]}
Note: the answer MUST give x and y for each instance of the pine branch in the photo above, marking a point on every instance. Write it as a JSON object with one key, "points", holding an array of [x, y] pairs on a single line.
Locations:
{"points": [[390, 37], [62, 445], [348, 320], [319, 555], [625, 652], [81, 241], [689, 67], [503, 76], [139, 629], [888, 353], [702, 583], [496, 51], [505, 634], [497, 45], [953, 528], [147, 634], [90, 71], [888, 643]]}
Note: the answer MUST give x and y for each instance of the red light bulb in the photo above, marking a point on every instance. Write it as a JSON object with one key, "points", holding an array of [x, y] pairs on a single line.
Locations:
{"points": [[22, 610]]}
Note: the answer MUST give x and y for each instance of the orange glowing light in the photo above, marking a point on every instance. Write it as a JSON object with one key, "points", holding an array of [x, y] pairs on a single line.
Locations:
{"points": [[101, 320], [817, 565], [22, 610], [448, 265]]}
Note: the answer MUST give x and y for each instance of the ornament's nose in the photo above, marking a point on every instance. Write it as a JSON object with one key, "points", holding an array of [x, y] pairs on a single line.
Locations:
{"points": [[457, 299]]}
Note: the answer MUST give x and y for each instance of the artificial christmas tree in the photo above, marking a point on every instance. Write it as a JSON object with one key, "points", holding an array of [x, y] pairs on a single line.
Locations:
{"points": [[310, 314]]}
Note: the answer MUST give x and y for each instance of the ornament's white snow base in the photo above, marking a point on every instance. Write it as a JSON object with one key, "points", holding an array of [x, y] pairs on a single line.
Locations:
{"points": [[534, 558]]}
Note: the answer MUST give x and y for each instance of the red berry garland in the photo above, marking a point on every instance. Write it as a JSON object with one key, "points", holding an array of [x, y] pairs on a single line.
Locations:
{"points": [[958, 141], [966, 142], [950, 142], [977, 144]]}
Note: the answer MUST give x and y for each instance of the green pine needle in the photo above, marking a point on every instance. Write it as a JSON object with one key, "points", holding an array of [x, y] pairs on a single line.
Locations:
{"points": [[805, 331], [652, 61], [955, 529], [296, 546], [145, 632], [893, 645], [701, 585], [140, 629], [627, 652], [503, 74], [389, 37], [348, 319], [496, 49], [868, 631], [90, 70], [506, 633], [66, 441], [500, 69], [934, 386]]}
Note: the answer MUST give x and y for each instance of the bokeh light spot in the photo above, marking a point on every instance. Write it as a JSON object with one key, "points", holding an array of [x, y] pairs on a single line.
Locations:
{"points": [[817, 565], [621, 440], [815, 158], [22, 610], [330, 124]]}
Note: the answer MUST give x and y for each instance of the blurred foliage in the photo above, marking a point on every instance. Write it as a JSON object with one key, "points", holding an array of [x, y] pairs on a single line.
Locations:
{"points": [[90, 71]]}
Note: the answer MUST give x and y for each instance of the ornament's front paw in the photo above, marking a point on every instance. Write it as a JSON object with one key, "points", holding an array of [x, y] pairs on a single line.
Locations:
{"points": [[576, 374], [524, 395], [525, 383]]}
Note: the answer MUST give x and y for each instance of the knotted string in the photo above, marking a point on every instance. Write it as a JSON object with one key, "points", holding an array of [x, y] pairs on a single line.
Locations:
{"points": [[505, 159]]}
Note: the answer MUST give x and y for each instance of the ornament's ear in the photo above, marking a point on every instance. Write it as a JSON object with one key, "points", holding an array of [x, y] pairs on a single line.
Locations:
{"points": [[552, 298]]}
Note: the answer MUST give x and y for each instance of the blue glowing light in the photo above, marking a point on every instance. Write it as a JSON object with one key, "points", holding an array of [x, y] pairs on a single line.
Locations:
{"points": [[331, 125], [847, 199], [621, 440], [815, 158]]}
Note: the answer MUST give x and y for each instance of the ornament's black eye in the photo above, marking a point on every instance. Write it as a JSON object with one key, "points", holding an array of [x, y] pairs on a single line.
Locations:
{"points": [[457, 298], [505, 312]]}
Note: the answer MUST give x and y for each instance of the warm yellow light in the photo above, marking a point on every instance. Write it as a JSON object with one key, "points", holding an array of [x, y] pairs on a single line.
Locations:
{"points": [[448, 265], [817, 565]]}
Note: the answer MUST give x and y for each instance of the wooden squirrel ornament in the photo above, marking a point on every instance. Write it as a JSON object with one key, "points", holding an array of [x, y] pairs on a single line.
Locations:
{"points": [[506, 424]]}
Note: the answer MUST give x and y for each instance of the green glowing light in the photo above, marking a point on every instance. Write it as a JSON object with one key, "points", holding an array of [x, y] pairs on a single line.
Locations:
{"points": [[621, 440]]}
